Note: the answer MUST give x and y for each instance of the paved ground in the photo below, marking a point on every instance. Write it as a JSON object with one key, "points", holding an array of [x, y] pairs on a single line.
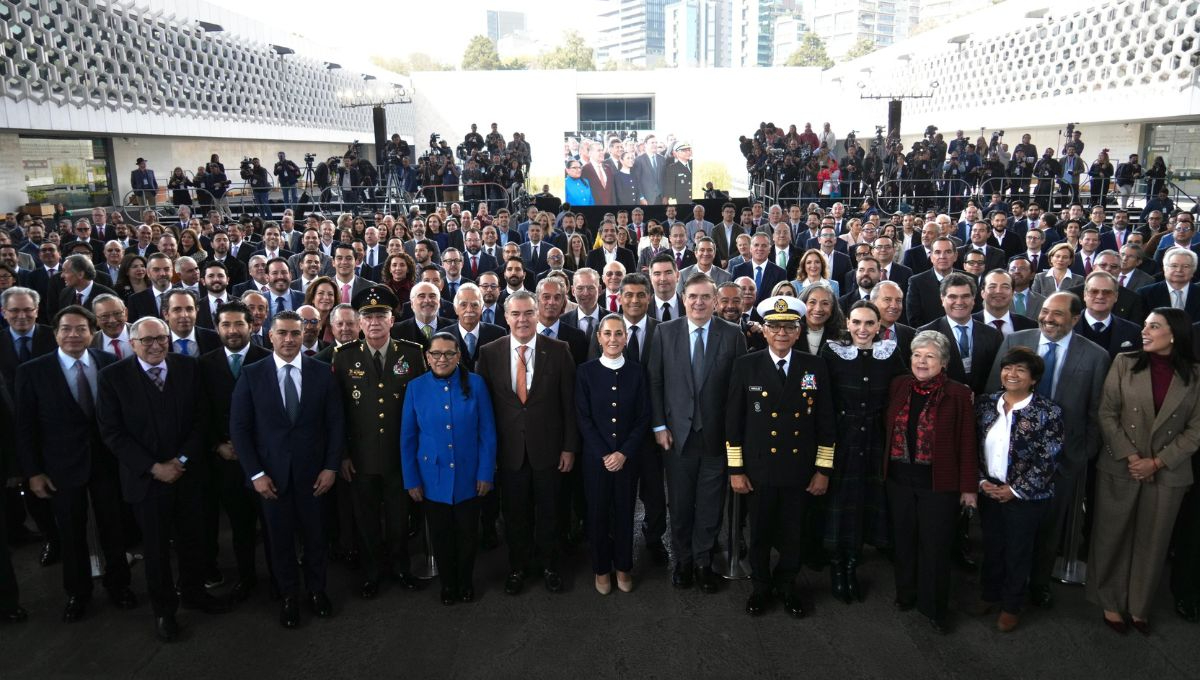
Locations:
{"points": [[654, 632]]}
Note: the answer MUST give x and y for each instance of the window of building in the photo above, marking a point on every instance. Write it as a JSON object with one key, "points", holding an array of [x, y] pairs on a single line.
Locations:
{"points": [[71, 171], [607, 113]]}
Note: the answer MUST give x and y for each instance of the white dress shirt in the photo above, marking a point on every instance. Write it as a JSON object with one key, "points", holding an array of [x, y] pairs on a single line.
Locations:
{"points": [[514, 357], [787, 360]]}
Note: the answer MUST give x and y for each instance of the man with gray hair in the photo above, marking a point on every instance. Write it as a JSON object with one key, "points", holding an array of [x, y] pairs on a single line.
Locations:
{"points": [[426, 301], [79, 283], [1176, 289], [111, 315]]}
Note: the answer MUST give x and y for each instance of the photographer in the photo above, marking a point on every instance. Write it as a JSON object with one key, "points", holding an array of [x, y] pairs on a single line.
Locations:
{"points": [[448, 177], [1028, 149], [368, 179], [1019, 173], [1046, 171], [495, 141], [288, 174], [396, 147], [1101, 172], [260, 183], [178, 186], [348, 180], [409, 178], [473, 190], [473, 141], [851, 166], [991, 175], [216, 183], [204, 201], [1127, 175]]}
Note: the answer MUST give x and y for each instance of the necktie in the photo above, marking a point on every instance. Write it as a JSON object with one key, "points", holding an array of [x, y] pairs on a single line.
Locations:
{"points": [[1033, 259], [162, 304], [779, 366], [1087, 265], [666, 312], [1019, 303], [346, 293], [83, 390], [587, 325], [378, 361], [548, 332], [488, 316], [23, 353], [1177, 299], [634, 350], [782, 259], [522, 392], [679, 260], [1121, 280], [1098, 327], [612, 303], [428, 331], [535, 252], [697, 377], [291, 398], [156, 377], [310, 352], [964, 342], [999, 324], [79, 299], [1046, 386], [887, 334], [220, 301], [758, 276], [453, 286], [371, 258], [474, 265], [181, 346], [469, 338], [235, 365], [116, 348], [279, 304]]}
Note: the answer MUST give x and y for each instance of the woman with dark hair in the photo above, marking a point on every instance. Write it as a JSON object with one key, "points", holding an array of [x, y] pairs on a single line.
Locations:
{"points": [[861, 369], [1150, 424], [1156, 177], [576, 254], [189, 245], [322, 294], [823, 319], [448, 454], [178, 185], [1020, 437], [131, 276], [399, 273], [931, 468], [358, 229]]}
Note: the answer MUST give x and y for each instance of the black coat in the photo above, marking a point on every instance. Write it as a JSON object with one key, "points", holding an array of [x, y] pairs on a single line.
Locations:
{"points": [[923, 299], [216, 388], [43, 343], [487, 333], [408, 330]]}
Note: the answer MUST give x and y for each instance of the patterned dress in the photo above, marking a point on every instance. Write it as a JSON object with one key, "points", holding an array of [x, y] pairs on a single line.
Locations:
{"points": [[856, 511]]}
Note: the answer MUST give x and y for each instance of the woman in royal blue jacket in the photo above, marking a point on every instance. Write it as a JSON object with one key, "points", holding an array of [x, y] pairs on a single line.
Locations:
{"points": [[448, 454]]}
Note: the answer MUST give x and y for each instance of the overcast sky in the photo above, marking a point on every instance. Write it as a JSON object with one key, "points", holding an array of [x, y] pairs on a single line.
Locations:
{"points": [[440, 29]]}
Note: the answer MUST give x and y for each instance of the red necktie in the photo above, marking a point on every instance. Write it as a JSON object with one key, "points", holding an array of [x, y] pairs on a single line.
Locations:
{"points": [[1121, 281], [116, 346], [79, 299], [999, 324], [887, 334], [612, 303], [474, 265]]}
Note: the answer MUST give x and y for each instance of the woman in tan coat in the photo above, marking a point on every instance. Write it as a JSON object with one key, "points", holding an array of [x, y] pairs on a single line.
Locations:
{"points": [[1150, 420]]}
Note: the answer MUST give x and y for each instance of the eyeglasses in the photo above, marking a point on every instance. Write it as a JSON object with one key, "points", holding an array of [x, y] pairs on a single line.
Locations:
{"points": [[443, 356], [154, 340], [310, 322], [782, 328]]}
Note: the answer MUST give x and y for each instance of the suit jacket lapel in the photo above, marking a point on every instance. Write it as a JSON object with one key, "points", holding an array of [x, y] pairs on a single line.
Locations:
{"points": [[505, 359], [1175, 395], [64, 388], [711, 349], [541, 360]]}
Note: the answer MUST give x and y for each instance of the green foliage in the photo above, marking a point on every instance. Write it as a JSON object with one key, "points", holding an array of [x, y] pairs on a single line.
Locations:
{"points": [[810, 53], [480, 55], [574, 55], [861, 48], [417, 61]]}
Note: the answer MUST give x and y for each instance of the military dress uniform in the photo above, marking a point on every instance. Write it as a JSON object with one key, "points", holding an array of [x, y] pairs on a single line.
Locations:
{"points": [[677, 179], [373, 401], [780, 431]]}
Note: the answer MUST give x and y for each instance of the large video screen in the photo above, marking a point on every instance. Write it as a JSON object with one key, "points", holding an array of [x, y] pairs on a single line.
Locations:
{"points": [[627, 168]]}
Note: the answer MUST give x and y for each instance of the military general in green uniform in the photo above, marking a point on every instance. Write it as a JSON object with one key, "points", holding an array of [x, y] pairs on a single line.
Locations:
{"points": [[372, 375], [781, 433]]}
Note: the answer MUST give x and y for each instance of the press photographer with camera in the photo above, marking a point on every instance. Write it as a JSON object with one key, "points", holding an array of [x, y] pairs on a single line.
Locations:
{"points": [[289, 174], [473, 141], [260, 183], [216, 184], [1047, 170]]}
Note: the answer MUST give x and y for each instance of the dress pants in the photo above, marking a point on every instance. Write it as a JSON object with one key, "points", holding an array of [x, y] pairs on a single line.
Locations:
{"points": [[1008, 548], [174, 514], [71, 513], [227, 489], [696, 486], [1134, 521], [382, 498], [530, 502], [28, 504], [337, 515], [776, 520], [1050, 529], [489, 506], [923, 521], [649, 467], [610, 504], [1185, 566], [454, 530], [10, 596], [297, 511]]}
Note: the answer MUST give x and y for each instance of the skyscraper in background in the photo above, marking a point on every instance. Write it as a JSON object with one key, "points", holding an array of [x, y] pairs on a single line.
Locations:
{"points": [[631, 31], [698, 33], [501, 24], [753, 30], [841, 23]]}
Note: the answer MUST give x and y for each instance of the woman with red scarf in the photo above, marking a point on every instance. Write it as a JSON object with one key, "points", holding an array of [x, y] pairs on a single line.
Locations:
{"points": [[930, 468]]}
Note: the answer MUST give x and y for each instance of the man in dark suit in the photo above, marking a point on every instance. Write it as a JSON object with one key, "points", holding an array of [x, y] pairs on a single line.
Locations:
{"points": [[426, 319], [1176, 289], [1127, 305], [1075, 371], [152, 301], [783, 253], [475, 261], [760, 269], [690, 362], [997, 305], [552, 299], [973, 346], [1004, 238], [1099, 323], [65, 460], [993, 256], [666, 303], [280, 296], [884, 250], [470, 332], [725, 233], [372, 375], [144, 184], [609, 250], [531, 379], [186, 337], [149, 410], [288, 429], [923, 298], [216, 287], [889, 299], [79, 286], [226, 483], [535, 250], [10, 596]]}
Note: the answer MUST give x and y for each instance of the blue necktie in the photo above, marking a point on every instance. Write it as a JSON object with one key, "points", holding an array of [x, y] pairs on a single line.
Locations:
{"points": [[697, 377], [488, 316], [548, 332], [279, 304], [235, 365], [1046, 386], [964, 343], [291, 398], [469, 338], [758, 276], [23, 353], [181, 346]]}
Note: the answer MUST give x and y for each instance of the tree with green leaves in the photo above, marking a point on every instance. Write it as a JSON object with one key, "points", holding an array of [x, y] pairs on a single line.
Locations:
{"points": [[574, 54], [480, 55], [810, 53], [862, 48], [415, 62]]}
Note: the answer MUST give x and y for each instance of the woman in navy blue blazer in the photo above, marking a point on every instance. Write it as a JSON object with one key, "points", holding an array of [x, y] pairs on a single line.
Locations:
{"points": [[1020, 436], [448, 455], [614, 417]]}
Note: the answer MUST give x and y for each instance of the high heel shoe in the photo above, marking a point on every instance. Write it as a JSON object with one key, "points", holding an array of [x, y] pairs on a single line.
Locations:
{"points": [[603, 584]]}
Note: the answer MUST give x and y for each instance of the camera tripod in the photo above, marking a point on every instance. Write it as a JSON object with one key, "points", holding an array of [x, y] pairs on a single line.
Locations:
{"points": [[393, 192]]}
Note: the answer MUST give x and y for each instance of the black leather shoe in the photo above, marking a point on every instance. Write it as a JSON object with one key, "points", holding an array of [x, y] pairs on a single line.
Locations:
{"points": [[214, 579], [489, 540], [122, 598], [50, 555], [289, 612], [1142, 627], [406, 581], [554, 581], [837, 580], [166, 628], [15, 615], [1186, 609], [75, 609], [1041, 596], [449, 596], [682, 578], [658, 553], [939, 626], [904, 604], [320, 605], [709, 581], [368, 590], [466, 594], [792, 605], [853, 589], [756, 604], [205, 603], [242, 590], [515, 582]]}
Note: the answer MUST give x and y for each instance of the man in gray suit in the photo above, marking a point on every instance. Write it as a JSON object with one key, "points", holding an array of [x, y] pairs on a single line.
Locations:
{"points": [[1025, 302], [1074, 377], [114, 330], [706, 255], [690, 363], [697, 224]]}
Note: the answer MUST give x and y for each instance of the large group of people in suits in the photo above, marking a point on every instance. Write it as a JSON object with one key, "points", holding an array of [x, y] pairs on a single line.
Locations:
{"points": [[858, 381]]}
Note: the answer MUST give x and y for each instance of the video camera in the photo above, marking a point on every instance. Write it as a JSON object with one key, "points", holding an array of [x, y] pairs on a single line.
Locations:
{"points": [[245, 164], [996, 135], [309, 158]]}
